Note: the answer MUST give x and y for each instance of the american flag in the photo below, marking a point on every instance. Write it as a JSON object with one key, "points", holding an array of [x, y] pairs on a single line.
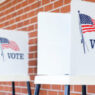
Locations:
{"points": [[87, 23], [12, 45], [5, 44]]}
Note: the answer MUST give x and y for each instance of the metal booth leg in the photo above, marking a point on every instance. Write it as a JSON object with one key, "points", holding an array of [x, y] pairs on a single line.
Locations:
{"points": [[13, 88], [83, 89], [28, 88], [67, 90], [37, 89]]}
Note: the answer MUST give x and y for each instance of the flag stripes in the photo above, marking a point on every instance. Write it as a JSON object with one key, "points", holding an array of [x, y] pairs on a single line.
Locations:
{"points": [[87, 23], [12, 45]]}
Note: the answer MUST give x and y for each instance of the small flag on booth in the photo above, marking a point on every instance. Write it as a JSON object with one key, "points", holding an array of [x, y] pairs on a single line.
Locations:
{"points": [[12, 45], [87, 23], [5, 44]]}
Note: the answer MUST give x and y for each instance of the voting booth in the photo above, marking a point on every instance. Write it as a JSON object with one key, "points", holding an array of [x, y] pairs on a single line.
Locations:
{"points": [[14, 50], [13, 56], [66, 46]]}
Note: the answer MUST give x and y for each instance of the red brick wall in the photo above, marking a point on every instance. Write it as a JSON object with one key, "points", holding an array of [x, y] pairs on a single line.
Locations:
{"points": [[22, 15]]}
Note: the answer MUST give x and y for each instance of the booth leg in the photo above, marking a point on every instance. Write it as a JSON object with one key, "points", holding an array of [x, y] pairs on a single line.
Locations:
{"points": [[37, 89], [13, 88], [83, 89], [28, 88], [67, 90]]}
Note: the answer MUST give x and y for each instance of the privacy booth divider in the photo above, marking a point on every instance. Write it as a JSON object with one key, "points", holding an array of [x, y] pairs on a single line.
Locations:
{"points": [[14, 57], [66, 51]]}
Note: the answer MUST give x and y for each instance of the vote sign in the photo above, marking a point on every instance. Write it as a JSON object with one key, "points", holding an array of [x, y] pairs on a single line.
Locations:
{"points": [[83, 37], [13, 55]]}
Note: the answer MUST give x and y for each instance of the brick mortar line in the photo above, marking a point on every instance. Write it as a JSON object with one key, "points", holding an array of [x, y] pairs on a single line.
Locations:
{"points": [[18, 9], [34, 30], [18, 15], [91, 93], [32, 4], [31, 31], [15, 18], [13, 5], [49, 89], [20, 86], [32, 74], [32, 81], [35, 52], [22, 21], [6, 85], [55, 90], [32, 59], [27, 11], [26, 26], [30, 67], [75, 92], [59, 7], [33, 38], [49, 3], [6, 3], [9, 92], [31, 17], [61, 91], [18, 93], [32, 52], [6, 91], [32, 45]]}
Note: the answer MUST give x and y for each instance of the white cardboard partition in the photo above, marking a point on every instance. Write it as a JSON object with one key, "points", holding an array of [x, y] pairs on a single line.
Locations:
{"points": [[66, 45], [54, 43], [13, 55]]}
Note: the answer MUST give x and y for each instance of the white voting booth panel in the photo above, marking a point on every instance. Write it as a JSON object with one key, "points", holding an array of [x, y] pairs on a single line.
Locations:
{"points": [[13, 55], [53, 44], [66, 51]]}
